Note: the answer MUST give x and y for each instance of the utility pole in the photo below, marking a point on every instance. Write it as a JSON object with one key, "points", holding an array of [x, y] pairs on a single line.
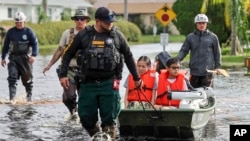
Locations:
{"points": [[126, 10], [45, 6]]}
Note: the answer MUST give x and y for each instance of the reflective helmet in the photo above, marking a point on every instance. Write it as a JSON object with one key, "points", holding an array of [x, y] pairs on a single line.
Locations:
{"points": [[19, 17], [201, 18]]}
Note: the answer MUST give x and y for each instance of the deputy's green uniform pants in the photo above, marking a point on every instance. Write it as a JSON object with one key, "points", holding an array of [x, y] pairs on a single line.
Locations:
{"points": [[98, 95]]}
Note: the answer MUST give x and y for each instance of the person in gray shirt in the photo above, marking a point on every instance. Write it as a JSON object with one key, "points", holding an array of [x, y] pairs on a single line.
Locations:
{"points": [[205, 53]]}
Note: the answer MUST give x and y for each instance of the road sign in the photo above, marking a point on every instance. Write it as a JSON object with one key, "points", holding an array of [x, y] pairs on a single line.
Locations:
{"points": [[165, 15], [164, 39]]}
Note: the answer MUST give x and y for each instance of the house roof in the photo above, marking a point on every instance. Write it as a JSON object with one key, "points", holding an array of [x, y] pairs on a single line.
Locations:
{"points": [[64, 3], [99, 3], [135, 8]]}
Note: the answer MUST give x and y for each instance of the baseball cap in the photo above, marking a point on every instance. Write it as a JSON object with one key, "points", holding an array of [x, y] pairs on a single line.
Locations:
{"points": [[80, 13], [105, 15]]}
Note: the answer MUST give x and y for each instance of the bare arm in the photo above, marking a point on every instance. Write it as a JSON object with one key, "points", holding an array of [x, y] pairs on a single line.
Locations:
{"points": [[126, 99], [54, 59], [153, 97]]}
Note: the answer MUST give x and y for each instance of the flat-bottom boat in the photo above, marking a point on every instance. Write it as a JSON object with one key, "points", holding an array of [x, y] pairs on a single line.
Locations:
{"points": [[185, 122]]}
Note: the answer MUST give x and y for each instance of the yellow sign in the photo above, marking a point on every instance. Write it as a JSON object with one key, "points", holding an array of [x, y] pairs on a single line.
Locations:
{"points": [[165, 15]]}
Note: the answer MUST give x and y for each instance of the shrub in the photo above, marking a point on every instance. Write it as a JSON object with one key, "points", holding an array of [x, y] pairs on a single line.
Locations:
{"points": [[50, 33], [130, 30]]}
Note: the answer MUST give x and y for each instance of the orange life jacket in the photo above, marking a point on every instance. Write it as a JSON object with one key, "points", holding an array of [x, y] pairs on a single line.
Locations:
{"points": [[145, 94], [163, 84]]}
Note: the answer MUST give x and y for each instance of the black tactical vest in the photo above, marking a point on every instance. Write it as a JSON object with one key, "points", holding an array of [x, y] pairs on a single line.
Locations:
{"points": [[100, 54]]}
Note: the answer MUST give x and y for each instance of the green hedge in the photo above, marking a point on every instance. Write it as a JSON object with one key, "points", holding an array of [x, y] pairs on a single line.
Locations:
{"points": [[50, 33], [130, 30]]}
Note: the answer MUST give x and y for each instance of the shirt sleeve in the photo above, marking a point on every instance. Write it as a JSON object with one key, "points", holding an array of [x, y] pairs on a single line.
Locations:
{"points": [[217, 53], [184, 50], [63, 41], [128, 57], [6, 43], [69, 54], [156, 83], [34, 43], [125, 85]]}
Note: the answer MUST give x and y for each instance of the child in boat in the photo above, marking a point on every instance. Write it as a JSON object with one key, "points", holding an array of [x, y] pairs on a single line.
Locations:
{"points": [[170, 79], [136, 98], [161, 61]]}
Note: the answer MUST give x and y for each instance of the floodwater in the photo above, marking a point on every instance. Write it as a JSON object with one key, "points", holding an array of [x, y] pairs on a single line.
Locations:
{"points": [[44, 120]]}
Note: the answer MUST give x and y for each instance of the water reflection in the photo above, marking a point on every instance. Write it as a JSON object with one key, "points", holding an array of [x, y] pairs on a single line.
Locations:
{"points": [[20, 118], [72, 131], [20, 113], [210, 128]]}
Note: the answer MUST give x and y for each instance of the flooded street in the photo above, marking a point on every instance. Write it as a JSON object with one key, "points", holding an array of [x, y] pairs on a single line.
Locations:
{"points": [[45, 119]]}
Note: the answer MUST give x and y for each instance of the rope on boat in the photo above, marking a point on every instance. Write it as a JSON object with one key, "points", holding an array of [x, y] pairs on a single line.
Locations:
{"points": [[149, 117]]}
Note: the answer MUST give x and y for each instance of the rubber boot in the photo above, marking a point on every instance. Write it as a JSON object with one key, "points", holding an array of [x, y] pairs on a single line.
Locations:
{"points": [[111, 130], [28, 84], [28, 97], [74, 114], [12, 92], [93, 131]]}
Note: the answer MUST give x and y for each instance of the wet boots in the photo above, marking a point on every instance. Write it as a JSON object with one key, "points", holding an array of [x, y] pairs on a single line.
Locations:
{"points": [[12, 91], [111, 130], [93, 131], [28, 97]]}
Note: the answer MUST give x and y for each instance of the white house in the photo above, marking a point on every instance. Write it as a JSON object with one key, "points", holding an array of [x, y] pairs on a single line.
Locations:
{"points": [[29, 7]]}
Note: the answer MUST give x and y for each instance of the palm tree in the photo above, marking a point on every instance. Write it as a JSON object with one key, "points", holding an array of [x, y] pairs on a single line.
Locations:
{"points": [[235, 19]]}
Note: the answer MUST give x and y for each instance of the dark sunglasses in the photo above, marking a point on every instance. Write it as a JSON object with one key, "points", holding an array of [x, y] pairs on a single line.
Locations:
{"points": [[80, 18]]}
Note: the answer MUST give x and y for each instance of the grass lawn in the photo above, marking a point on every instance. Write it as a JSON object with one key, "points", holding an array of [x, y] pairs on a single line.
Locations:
{"points": [[144, 40], [228, 61], [156, 39]]}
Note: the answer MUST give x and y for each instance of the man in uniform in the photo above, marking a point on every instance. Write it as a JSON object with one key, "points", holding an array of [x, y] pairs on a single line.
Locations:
{"points": [[102, 46], [69, 95]]}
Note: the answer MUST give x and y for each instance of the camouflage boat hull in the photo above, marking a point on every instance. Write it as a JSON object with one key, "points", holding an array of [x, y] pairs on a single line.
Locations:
{"points": [[166, 123]]}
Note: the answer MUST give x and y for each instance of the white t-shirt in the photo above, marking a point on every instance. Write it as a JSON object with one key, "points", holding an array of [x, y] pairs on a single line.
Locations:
{"points": [[174, 79]]}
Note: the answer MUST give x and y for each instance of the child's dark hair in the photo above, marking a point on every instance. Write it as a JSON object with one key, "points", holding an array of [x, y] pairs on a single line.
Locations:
{"points": [[173, 60], [145, 59], [162, 58]]}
